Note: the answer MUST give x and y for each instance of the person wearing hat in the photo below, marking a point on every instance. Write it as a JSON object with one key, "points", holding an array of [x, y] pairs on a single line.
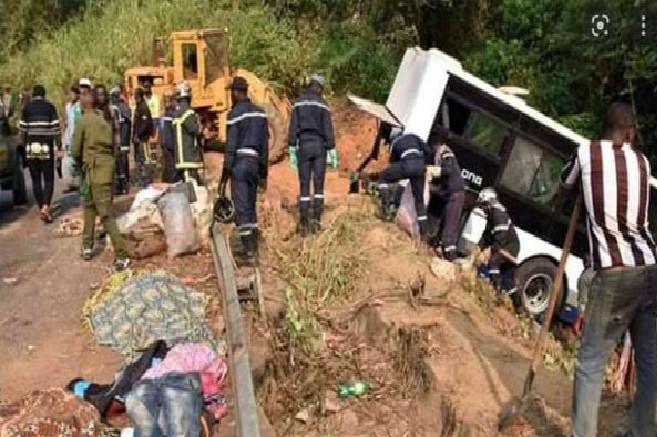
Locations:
{"points": [[122, 113], [39, 127], [188, 152], [311, 143], [167, 139], [245, 163], [93, 147], [153, 103], [141, 134]]}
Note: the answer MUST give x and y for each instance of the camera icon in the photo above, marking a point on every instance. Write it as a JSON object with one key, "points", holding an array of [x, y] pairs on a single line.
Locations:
{"points": [[599, 24]]}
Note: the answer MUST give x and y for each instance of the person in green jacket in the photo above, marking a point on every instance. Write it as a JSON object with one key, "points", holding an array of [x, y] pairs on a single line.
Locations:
{"points": [[93, 147]]}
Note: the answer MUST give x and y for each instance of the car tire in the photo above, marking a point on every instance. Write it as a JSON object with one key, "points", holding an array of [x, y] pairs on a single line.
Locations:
{"points": [[19, 190], [534, 280]]}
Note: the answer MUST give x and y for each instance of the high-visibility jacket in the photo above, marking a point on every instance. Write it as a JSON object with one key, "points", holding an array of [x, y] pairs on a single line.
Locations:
{"points": [[154, 105], [186, 129]]}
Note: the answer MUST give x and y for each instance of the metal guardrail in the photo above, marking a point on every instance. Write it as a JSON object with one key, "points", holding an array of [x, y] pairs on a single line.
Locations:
{"points": [[246, 409]]}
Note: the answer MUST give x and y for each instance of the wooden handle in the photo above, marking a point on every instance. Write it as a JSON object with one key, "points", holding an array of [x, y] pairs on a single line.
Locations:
{"points": [[554, 294]]}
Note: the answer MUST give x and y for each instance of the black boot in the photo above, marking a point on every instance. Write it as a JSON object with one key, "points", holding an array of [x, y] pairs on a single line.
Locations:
{"points": [[304, 227], [316, 223], [249, 249]]}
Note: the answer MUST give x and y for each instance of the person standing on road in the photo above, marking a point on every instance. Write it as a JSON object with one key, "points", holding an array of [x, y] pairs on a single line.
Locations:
{"points": [[245, 163], [93, 146], [451, 189], [168, 139], [69, 125], [501, 237], [141, 134], [311, 129], [121, 111], [39, 126], [408, 155], [188, 151], [614, 178]]}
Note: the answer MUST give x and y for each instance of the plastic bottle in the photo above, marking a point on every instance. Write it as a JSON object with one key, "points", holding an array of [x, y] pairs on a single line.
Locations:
{"points": [[353, 389]]}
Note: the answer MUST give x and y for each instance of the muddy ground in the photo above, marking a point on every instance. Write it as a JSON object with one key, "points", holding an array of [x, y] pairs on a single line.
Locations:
{"points": [[442, 358]]}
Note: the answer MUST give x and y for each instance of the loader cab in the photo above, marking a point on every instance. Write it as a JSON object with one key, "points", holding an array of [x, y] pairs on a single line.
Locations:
{"points": [[201, 58]]}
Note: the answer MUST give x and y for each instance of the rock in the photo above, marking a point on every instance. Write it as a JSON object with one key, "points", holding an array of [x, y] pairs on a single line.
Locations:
{"points": [[303, 416], [443, 269], [10, 281], [348, 422], [331, 402]]}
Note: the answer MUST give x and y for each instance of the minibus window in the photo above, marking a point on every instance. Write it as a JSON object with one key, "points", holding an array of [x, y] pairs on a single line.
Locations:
{"points": [[532, 171], [485, 133]]}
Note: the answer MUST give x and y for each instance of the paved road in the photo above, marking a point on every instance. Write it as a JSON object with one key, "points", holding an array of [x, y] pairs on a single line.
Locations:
{"points": [[41, 334]]}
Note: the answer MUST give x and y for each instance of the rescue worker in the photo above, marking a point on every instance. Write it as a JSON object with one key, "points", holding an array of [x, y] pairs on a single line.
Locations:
{"points": [[311, 129], [39, 126], [245, 163], [121, 112], [408, 155], [451, 189], [168, 139], [141, 134], [93, 146], [188, 152], [500, 236], [153, 103]]}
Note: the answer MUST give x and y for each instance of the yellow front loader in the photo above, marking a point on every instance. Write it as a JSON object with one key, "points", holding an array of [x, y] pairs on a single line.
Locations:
{"points": [[200, 57]]}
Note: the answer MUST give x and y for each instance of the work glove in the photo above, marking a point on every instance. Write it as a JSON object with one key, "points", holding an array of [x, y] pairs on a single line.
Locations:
{"points": [[292, 151], [434, 171], [332, 157]]}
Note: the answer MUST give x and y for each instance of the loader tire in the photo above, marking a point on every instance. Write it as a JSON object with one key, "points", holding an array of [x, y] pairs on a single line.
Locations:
{"points": [[277, 134]]}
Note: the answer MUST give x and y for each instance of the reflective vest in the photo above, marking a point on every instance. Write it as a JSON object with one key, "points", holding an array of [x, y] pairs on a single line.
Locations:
{"points": [[188, 153]]}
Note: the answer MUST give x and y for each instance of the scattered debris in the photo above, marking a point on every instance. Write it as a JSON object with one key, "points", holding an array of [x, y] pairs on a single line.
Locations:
{"points": [[303, 416], [10, 281]]}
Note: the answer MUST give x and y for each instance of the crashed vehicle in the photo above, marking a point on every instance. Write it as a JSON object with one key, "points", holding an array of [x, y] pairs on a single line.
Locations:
{"points": [[11, 169], [500, 142]]}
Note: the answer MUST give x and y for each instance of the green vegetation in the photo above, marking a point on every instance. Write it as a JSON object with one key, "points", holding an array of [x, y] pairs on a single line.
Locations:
{"points": [[544, 45]]}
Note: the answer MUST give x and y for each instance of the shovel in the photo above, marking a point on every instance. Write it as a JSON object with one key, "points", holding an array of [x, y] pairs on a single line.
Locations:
{"points": [[555, 292]]}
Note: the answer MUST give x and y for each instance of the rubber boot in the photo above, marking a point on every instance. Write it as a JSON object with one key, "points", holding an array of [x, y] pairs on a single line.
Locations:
{"points": [[249, 248], [304, 227], [316, 223]]}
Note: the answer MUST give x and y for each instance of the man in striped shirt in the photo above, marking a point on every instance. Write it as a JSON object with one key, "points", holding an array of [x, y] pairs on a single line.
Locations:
{"points": [[614, 179], [39, 125]]}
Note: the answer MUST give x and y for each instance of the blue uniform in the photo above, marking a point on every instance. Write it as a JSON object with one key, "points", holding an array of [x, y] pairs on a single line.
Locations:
{"points": [[312, 128], [452, 190], [168, 144], [408, 154], [246, 156]]}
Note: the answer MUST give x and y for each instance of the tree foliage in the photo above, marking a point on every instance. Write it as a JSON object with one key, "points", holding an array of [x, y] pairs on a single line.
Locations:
{"points": [[543, 45]]}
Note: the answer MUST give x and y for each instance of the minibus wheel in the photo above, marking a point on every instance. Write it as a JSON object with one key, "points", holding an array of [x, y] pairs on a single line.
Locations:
{"points": [[534, 279]]}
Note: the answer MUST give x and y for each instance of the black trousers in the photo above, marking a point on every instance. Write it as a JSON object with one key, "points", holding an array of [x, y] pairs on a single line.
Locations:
{"points": [[244, 187], [311, 166], [42, 172], [413, 170], [170, 175], [502, 276], [451, 218], [122, 171]]}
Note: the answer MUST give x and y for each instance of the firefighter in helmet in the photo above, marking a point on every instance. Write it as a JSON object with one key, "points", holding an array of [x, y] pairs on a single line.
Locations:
{"points": [[188, 153]]}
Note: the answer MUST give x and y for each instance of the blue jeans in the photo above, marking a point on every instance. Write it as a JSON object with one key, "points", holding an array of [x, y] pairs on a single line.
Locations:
{"points": [[619, 299], [168, 406]]}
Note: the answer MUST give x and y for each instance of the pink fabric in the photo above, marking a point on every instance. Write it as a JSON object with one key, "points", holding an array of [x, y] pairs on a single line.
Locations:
{"points": [[196, 358]]}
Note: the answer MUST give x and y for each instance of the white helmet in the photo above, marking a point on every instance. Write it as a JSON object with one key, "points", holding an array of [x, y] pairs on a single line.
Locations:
{"points": [[183, 90], [487, 196]]}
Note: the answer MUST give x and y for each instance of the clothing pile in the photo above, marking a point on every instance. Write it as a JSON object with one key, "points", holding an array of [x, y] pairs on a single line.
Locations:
{"points": [[172, 380], [50, 413], [147, 306]]}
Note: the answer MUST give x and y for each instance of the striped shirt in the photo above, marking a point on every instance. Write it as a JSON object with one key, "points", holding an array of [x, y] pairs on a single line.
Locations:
{"points": [[615, 182]]}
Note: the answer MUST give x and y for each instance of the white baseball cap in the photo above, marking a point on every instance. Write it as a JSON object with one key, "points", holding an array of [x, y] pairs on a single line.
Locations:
{"points": [[85, 82]]}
